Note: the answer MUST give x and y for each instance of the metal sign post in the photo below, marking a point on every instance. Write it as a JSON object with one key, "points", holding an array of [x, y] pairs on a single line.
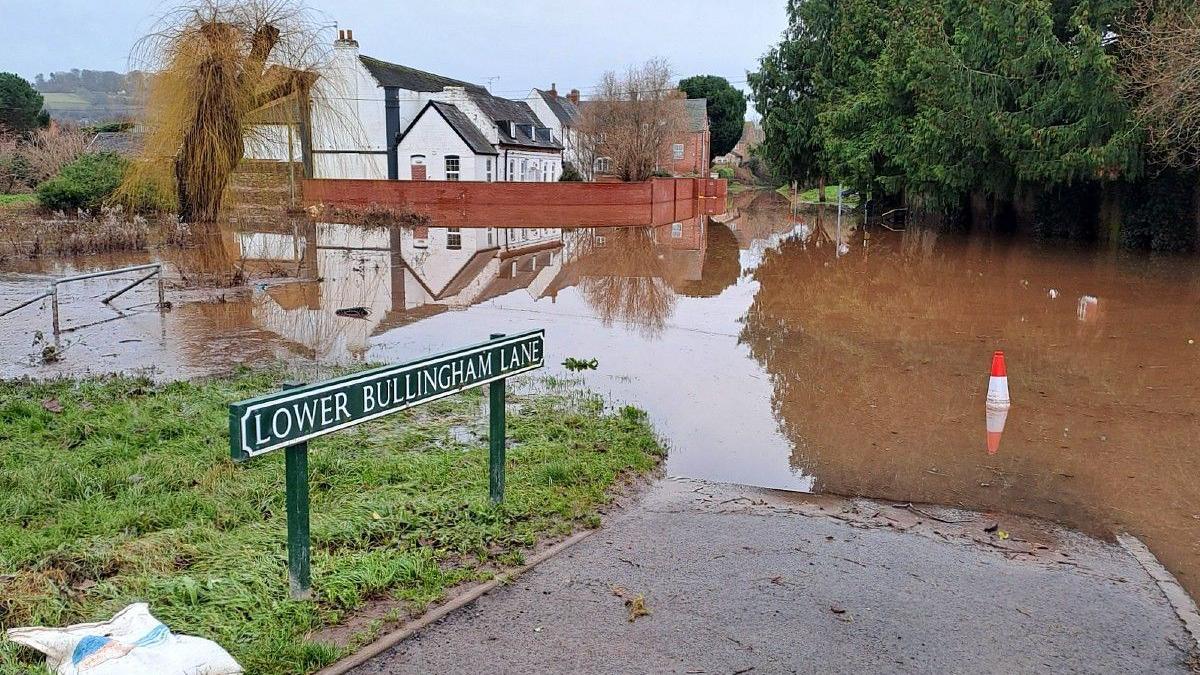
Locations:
{"points": [[289, 418], [295, 471], [496, 438]]}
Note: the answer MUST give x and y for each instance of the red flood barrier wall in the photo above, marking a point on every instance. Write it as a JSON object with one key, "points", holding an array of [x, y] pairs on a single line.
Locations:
{"points": [[658, 201]]}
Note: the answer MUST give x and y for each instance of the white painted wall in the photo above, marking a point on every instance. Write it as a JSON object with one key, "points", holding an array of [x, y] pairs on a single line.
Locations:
{"points": [[531, 165], [270, 141], [435, 139], [565, 135], [348, 115]]}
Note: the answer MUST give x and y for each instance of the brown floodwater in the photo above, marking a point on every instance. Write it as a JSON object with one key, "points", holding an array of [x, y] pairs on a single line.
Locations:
{"points": [[800, 352]]}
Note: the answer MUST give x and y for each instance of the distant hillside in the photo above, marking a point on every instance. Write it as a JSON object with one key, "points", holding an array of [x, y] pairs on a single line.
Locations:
{"points": [[89, 96]]}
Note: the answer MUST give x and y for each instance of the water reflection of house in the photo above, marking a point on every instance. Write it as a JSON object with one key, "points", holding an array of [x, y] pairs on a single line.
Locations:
{"points": [[460, 267], [370, 280]]}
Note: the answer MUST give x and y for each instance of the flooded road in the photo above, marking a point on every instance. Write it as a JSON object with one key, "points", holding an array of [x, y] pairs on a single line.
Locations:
{"points": [[791, 353]]}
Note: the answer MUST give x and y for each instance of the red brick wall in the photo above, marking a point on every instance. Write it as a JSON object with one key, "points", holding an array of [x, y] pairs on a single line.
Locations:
{"points": [[482, 204], [695, 154]]}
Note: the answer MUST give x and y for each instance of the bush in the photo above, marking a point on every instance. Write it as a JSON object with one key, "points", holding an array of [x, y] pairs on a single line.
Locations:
{"points": [[570, 173], [661, 173], [1160, 213], [49, 150], [108, 127], [723, 171], [84, 183]]}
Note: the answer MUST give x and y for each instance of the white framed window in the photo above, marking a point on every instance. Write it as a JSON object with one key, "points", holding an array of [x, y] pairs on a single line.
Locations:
{"points": [[453, 238], [452, 167], [489, 169], [525, 170], [677, 151], [676, 230], [512, 163], [602, 165]]}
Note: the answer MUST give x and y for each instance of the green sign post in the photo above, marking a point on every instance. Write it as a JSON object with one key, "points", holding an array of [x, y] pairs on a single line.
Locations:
{"points": [[289, 418]]}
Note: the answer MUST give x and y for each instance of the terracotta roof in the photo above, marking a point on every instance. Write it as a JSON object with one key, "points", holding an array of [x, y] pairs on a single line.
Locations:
{"points": [[395, 75]]}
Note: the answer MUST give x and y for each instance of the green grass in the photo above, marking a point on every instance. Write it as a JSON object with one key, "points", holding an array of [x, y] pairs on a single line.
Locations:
{"points": [[128, 494], [17, 200], [65, 101], [812, 195]]}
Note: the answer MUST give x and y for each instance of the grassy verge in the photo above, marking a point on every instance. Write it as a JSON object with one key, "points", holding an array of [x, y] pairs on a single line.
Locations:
{"points": [[18, 200], [812, 195], [118, 490]]}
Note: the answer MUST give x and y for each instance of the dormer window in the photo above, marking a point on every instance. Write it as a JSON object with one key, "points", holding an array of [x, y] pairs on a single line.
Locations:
{"points": [[526, 130], [543, 134]]}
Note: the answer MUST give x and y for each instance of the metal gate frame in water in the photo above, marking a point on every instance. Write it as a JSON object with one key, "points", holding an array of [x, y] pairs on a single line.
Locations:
{"points": [[52, 292]]}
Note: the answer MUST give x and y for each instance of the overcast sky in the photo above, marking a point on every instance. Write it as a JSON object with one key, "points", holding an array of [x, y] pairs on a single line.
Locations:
{"points": [[525, 43]]}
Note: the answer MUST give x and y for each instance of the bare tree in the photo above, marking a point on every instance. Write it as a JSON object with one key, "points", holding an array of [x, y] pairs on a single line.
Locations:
{"points": [[623, 278], [1161, 50], [10, 163], [632, 121], [49, 150]]}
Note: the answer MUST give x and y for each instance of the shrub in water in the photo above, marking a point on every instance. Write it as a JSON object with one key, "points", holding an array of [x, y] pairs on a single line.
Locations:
{"points": [[84, 183]]}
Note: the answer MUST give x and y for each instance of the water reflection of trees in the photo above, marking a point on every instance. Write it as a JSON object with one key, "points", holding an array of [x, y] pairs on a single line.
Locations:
{"points": [[623, 277]]}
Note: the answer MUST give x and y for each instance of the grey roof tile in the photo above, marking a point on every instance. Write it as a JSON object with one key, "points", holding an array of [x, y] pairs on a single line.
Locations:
{"points": [[563, 108], [395, 75], [505, 110], [697, 110], [458, 121]]}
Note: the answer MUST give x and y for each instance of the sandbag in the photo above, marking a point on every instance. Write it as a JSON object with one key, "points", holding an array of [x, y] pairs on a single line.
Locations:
{"points": [[133, 641]]}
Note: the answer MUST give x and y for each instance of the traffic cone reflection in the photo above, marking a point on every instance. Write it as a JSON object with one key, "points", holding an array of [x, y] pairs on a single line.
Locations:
{"points": [[997, 396], [996, 417]]}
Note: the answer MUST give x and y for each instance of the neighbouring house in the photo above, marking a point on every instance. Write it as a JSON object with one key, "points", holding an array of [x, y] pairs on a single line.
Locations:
{"points": [[562, 115], [752, 136], [374, 119], [685, 154], [690, 152]]}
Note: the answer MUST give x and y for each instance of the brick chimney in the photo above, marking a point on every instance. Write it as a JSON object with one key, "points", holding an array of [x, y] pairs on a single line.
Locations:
{"points": [[553, 90], [345, 39], [573, 97]]}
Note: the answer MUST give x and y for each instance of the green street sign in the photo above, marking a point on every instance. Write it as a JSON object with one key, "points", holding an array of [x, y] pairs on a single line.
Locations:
{"points": [[277, 420], [288, 419]]}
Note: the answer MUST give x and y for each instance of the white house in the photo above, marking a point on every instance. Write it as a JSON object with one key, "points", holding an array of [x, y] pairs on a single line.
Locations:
{"points": [[374, 119], [561, 113]]}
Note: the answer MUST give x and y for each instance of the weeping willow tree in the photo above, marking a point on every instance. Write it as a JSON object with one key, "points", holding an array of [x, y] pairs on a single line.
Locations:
{"points": [[223, 74]]}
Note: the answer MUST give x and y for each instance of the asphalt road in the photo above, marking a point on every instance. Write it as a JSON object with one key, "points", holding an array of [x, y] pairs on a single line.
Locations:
{"points": [[744, 581]]}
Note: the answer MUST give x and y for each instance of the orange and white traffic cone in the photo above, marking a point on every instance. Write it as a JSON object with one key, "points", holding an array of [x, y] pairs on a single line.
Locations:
{"points": [[997, 396], [995, 419]]}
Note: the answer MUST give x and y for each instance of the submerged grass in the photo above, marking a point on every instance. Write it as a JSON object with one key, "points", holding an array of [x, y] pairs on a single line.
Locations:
{"points": [[116, 490]]}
